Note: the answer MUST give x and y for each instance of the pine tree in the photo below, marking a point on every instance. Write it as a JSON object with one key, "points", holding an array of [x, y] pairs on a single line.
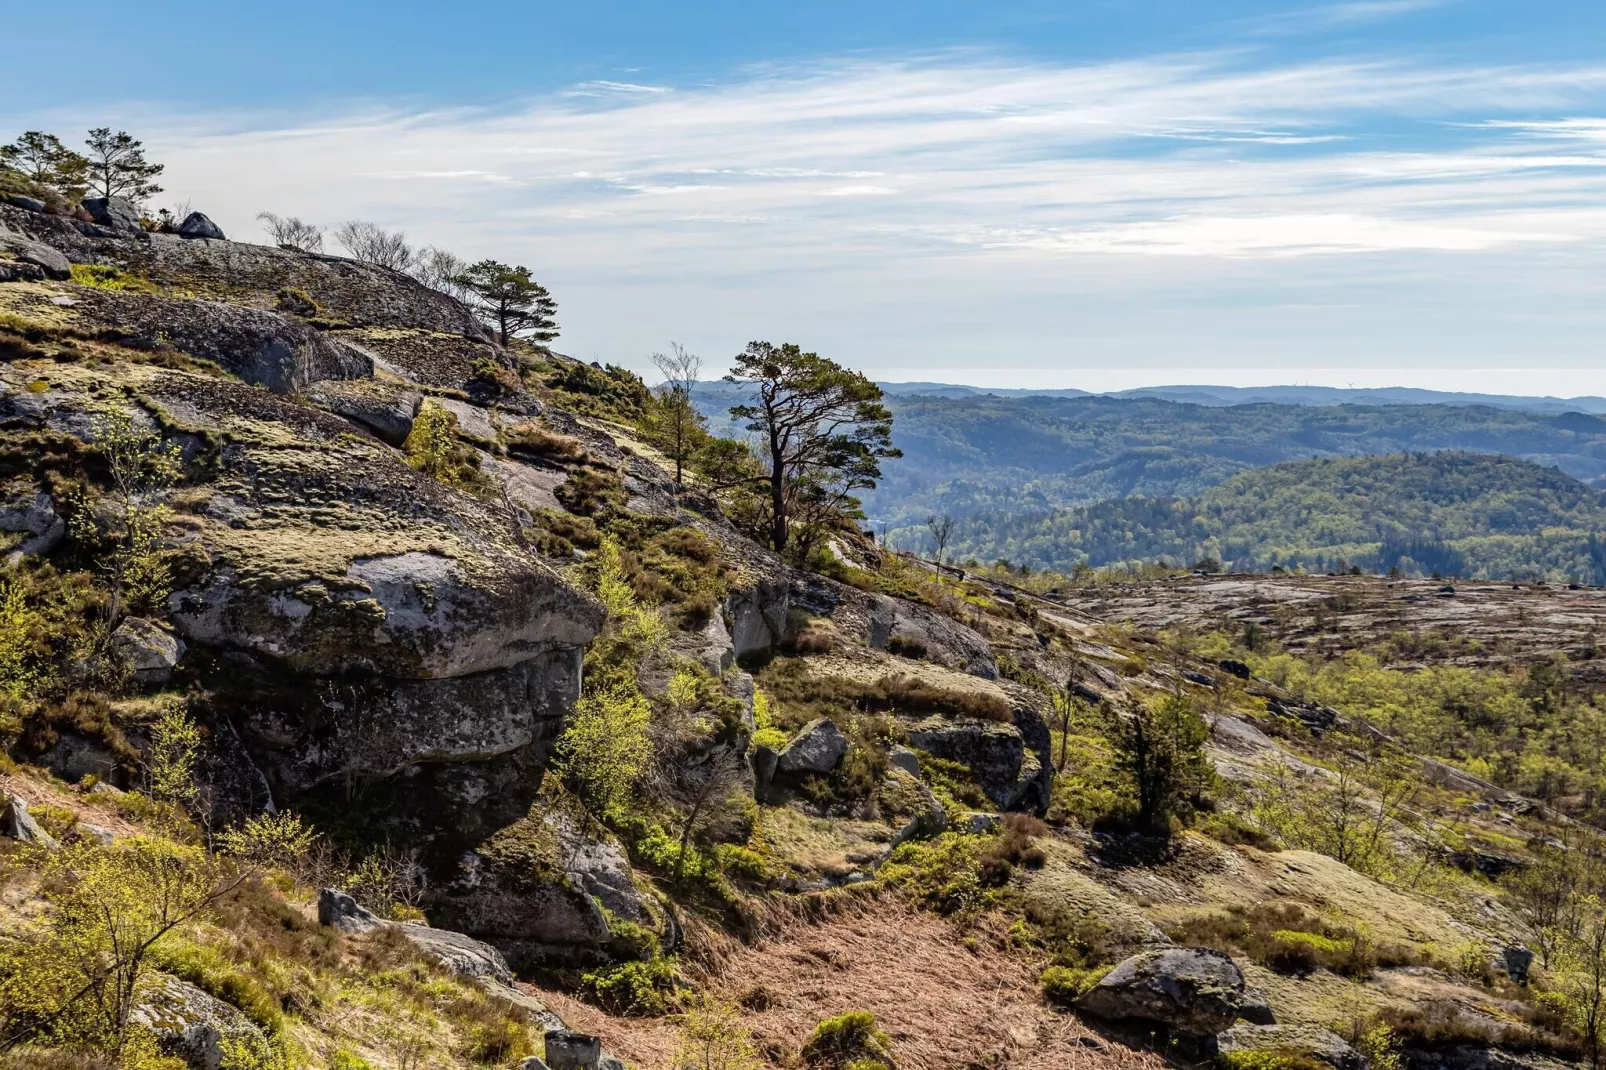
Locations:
{"points": [[118, 168], [516, 304]]}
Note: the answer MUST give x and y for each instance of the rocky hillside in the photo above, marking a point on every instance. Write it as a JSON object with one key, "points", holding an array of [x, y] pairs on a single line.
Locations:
{"points": [[380, 680]]}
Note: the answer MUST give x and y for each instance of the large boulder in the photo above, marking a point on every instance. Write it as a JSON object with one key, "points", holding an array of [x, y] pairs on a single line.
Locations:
{"points": [[148, 652], [816, 749], [1193, 990], [384, 407], [115, 213], [196, 1027], [197, 225], [20, 825], [1011, 774]]}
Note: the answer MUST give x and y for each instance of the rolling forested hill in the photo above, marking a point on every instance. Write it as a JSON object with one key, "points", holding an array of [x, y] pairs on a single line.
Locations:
{"points": [[968, 455], [1458, 513]]}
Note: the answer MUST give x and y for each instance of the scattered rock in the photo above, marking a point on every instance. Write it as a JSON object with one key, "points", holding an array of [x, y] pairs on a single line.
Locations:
{"points": [[1190, 989], [103, 836], [197, 225], [148, 651], [1321, 1044], [816, 749], [20, 825], [27, 204]]}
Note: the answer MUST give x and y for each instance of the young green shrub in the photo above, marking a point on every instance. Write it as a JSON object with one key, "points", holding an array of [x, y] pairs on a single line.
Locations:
{"points": [[1065, 985], [850, 1041], [646, 988]]}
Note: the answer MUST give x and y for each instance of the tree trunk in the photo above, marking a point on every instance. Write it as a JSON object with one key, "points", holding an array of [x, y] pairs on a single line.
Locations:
{"points": [[778, 525]]}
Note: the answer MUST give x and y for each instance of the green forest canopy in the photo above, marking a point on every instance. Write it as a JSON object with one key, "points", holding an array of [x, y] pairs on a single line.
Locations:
{"points": [[1455, 512]]}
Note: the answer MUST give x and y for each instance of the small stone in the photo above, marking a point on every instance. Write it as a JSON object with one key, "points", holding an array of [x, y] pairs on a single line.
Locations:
{"points": [[197, 225], [816, 749], [102, 836]]}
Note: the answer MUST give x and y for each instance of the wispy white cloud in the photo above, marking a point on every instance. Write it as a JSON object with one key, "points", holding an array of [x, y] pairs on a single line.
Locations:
{"points": [[941, 176]]}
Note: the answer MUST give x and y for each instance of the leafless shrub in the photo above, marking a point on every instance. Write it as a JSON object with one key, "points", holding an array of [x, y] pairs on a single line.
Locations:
{"points": [[440, 270], [288, 232], [372, 244]]}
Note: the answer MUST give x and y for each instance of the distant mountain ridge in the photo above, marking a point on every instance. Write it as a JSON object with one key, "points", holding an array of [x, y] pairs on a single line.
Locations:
{"points": [[1281, 395]]}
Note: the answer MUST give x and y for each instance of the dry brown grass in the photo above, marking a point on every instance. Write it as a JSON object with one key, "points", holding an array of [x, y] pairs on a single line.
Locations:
{"points": [[948, 998]]}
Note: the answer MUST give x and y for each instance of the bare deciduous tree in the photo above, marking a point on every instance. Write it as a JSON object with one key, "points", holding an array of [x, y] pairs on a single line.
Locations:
{"points": [[372, 244], [288, 232], [441, 270], [941, 527]]}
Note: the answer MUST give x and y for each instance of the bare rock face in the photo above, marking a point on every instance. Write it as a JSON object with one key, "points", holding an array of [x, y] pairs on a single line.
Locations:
{"points": [[260, 347], [1193, 990]]}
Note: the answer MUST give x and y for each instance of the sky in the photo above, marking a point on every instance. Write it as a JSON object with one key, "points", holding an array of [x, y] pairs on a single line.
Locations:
{"points": [[1098, 194]]}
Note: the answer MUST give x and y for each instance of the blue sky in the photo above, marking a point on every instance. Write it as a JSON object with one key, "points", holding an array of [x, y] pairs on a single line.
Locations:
{"points": [[1101, 194]]}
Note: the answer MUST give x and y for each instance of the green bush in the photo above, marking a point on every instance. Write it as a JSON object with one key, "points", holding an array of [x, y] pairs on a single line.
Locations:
{"points": [[1067, 984], [645, 988], [850, 1041]]}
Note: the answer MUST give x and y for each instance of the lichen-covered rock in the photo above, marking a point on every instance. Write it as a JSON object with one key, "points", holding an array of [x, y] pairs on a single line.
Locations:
{"points": [[1317, 1043], [1193, 990], [195, 1026], [817, 748], [148, 652]]}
